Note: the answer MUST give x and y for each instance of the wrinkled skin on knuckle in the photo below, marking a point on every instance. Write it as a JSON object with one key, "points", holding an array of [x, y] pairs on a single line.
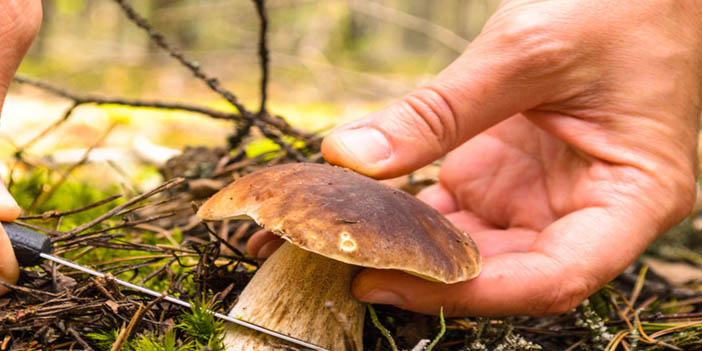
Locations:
{"points": [[432, 115]]}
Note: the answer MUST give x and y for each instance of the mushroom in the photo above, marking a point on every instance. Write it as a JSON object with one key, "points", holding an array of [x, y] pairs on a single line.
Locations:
{"points": [[335, 222]]}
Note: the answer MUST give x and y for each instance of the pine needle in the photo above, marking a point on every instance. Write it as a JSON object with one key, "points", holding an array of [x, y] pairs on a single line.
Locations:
{"points": [[381, 328], [441, 332]]}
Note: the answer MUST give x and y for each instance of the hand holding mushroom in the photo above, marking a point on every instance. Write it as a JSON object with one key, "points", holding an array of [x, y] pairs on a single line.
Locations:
{"points": [[571, 127]]}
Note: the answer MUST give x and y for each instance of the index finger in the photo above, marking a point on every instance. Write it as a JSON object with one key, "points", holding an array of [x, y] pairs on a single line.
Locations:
{"points": [[569, 260]]}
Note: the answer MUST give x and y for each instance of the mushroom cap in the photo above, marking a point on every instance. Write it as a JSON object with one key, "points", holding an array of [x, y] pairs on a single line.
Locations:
{"points": [[351, 218]]}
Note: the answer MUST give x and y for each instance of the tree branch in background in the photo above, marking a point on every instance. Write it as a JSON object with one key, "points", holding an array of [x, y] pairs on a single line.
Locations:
{"points": [[158, 39], [244, 127], [46, 194], [263, 52], [259, 120], [441, 34], [78, 100]]}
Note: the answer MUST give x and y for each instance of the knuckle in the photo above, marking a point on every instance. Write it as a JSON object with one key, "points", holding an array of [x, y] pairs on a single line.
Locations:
{"points": [[535, 42], [432, 114]]}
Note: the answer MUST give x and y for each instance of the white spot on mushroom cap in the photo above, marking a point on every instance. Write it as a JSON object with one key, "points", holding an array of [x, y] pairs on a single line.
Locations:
{"points": [[346, 242]]}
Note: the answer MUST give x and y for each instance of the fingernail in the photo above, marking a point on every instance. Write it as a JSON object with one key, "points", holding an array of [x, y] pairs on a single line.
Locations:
{"points": [[383, 297], [367, 145]]}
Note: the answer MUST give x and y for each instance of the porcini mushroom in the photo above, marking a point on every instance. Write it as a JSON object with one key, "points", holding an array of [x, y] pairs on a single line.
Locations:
{"points": [[335, 221]]}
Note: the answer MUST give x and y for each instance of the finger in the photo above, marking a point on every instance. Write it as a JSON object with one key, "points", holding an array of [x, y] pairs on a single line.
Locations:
{"points": [[500, 289], [469, 222], [498, 76], [269, 248], [569, 260], [263, 243], [9, 210], [9, 270], [497, 241], [438, 197], [490, 239]]}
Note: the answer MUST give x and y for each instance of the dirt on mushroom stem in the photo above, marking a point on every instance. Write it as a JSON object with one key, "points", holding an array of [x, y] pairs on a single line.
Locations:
{"points": [[290, 294]]}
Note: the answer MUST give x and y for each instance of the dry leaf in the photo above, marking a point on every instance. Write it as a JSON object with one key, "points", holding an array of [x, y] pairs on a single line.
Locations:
{"points": [[113, 306], [676, 273]]}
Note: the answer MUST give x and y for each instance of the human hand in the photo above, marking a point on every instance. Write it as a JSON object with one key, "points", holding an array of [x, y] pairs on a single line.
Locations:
{"points": [[9, 270], [574, 127], [19, 24]]}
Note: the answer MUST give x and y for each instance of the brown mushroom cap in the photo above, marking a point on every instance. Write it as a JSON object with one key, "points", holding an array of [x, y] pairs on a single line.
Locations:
{"points": [[351, 218]]}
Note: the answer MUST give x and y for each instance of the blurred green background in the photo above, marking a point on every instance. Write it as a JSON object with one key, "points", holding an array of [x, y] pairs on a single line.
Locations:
{"points": [[330, 62], [329, 59], [330, 51]]}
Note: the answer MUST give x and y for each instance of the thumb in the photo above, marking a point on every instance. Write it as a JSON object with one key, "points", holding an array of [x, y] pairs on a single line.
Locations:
{"points": [[494, 79]]}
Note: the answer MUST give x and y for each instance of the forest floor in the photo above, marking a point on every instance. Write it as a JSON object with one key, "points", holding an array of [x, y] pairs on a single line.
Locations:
{"points": [[114, 185], [153, 239]]}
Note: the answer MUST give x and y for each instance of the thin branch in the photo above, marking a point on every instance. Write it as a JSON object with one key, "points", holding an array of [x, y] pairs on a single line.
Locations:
{"points": [[194, 67], [125, 333], [65, 174], [79, 99], [66, 115], [26, 290], [117, 209], [214, 84], [80, 339], [39, 228], [244, 127], [274, 121], [285, 146], [430, 29], [263, 52], [53, 214], [132, 223]]}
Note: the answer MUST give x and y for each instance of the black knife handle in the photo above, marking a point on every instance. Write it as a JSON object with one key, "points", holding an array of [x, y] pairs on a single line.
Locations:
{"points": [[27, 244]]}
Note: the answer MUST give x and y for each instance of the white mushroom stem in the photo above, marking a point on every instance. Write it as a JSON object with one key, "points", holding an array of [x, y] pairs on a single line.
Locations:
{"points": [[301, 294]]}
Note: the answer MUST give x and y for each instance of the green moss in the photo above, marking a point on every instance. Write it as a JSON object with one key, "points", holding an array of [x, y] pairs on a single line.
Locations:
{"points": [[197, 330], [68, 195], [202, 327], [166, 342], [104, 339], [267, 146]]}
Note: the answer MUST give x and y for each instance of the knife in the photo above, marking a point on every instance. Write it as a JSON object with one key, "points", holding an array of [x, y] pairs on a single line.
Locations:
{"points": [[32, 247]]}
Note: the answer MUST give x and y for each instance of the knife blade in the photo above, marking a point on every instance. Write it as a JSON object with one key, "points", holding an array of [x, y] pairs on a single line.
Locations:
{"points": [[31, 247]]}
